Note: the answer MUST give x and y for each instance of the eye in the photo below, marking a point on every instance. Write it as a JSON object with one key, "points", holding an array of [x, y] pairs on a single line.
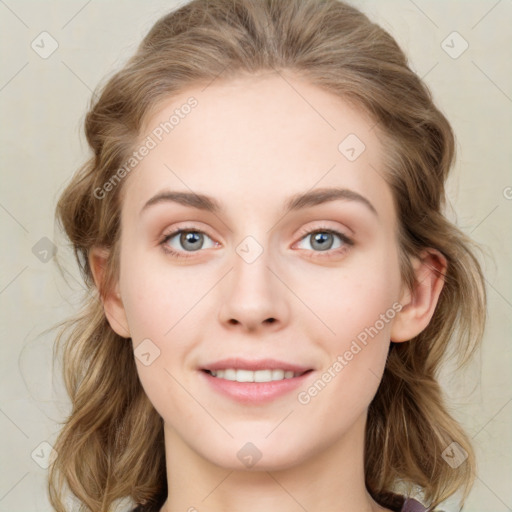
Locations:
{"points": [[189, 239], [186, 240], [323, 239]]}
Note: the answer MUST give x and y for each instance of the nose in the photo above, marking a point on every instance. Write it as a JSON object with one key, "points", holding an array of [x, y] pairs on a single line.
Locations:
{"points": [[254, 296]]}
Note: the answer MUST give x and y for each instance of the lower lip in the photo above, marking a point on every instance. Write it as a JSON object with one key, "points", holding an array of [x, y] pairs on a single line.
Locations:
{"points": [[255, 392]]}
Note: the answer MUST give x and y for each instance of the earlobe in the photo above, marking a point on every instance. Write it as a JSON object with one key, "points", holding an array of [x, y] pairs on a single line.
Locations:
{"points": [[420, 303], [111, 298]]}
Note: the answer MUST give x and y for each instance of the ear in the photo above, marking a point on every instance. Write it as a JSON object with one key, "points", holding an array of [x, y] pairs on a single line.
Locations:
{"points": [[112, 303], [420, 303]]}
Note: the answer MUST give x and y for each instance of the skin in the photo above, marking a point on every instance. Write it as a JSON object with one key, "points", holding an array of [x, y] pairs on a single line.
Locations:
{"points": [[251, 143]]}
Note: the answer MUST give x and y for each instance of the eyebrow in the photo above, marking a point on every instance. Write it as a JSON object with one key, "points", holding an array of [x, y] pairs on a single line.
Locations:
{"points": [[294, 203]]}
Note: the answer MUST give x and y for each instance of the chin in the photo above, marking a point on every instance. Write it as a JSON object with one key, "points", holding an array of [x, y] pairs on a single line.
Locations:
{"points": [[255, 453]]}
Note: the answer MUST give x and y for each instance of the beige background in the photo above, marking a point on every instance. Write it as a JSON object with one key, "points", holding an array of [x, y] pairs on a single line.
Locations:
{"points": [[43, 102]]}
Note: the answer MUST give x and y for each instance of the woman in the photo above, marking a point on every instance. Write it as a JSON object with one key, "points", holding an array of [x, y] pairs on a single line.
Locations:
{"points": [[262, 219]]}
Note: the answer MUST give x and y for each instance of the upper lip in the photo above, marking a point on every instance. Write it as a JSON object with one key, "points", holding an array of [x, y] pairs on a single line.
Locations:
{"points": [[254, 365]]}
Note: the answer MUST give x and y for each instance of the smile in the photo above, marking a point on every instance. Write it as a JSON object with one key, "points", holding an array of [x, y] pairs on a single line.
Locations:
{"points": [[265, 382], [238, 375]]}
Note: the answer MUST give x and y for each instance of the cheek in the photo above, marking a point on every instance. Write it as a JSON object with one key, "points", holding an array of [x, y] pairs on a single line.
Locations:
{"points": [[358, 305], [156, 298], [355, 296], [355, 356], [158, 315]]}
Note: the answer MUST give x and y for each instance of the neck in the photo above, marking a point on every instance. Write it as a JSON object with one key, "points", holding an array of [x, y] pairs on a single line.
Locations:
{"points": [[330, 480]]}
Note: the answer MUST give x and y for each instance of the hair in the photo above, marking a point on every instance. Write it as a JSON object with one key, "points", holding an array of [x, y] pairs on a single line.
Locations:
{"points": [[111, 446]]}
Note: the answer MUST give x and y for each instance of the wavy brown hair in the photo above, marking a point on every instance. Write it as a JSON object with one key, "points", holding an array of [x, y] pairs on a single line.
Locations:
{"points": [[111, 446]]}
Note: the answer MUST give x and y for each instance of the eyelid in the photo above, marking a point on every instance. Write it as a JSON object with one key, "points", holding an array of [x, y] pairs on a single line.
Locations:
{"points": [[324, 227]]}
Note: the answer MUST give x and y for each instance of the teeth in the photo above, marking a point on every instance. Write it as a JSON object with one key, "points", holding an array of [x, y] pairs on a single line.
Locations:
{"points": [[250, 376]]}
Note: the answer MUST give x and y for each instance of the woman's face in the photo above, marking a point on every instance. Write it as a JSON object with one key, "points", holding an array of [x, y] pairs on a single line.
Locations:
{"points": [[266, 281]]}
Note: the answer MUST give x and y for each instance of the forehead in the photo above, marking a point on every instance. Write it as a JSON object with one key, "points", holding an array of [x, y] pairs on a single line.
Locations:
{"points": [[261, 138]]}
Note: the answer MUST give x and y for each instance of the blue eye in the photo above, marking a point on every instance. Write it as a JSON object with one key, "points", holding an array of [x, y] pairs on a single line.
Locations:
{"points": [[322, 240], [192, 240]]}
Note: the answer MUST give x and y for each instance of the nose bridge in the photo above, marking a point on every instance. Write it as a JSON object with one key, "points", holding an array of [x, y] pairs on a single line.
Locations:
{"points": [[252, 296]]}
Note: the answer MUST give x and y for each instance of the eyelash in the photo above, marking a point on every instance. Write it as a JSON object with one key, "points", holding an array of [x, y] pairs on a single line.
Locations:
{"points": [[348, 242]]}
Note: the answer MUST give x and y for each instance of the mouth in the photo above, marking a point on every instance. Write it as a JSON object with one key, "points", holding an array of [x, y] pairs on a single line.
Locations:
{"points": [[254, 382], [266, 375]]}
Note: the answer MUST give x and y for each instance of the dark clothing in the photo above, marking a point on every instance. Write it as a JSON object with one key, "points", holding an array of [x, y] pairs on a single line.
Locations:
{"points": [[411, 505]]}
